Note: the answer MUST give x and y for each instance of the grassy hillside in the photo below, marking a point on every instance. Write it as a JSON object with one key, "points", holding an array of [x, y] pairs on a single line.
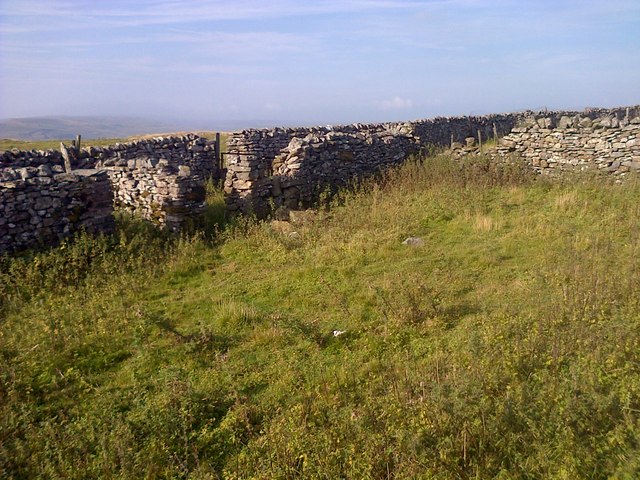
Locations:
{"points": [[50, 128], [506, 346]]}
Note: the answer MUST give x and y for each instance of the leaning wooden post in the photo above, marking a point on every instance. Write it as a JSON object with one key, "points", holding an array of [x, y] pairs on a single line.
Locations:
{"points": [[65, 157], [217, 152], [480, 140]]}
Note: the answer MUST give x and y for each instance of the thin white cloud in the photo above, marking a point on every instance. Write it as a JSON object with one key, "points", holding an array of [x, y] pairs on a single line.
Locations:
{"points": [[136, 14], [85, 14], [199, 49], [396, 103], [114, 69], [239, 44]]}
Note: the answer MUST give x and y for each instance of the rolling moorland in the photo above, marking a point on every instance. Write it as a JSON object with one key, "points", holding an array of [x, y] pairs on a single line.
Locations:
{"points": [[32, 131], [504, 344], [40, 129]]}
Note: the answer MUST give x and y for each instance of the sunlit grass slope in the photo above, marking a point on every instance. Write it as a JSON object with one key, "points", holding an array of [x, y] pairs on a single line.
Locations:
{"points": [[507, 346]]}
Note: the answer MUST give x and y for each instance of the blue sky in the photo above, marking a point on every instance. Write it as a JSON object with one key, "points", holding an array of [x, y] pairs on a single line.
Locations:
{"points": [[314, 62]]}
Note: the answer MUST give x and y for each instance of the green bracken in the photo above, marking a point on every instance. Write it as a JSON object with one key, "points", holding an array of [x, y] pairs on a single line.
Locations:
{"points": [[507, 346]]}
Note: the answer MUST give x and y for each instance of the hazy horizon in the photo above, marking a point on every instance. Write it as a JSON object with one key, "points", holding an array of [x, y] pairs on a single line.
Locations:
{"points": [[289, 62], [54, 127]]}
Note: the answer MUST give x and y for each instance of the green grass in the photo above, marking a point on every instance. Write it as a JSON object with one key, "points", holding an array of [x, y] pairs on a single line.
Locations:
{"points": [[7, 144], [505, 347]]}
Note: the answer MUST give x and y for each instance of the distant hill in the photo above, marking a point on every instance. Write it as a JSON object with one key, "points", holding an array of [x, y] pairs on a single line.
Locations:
{"points": [[47, 128], [93, 127]]}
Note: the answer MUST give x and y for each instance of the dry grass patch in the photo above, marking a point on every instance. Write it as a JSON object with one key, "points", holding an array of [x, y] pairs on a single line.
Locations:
{"points": [[482, 222], [566, 199]]}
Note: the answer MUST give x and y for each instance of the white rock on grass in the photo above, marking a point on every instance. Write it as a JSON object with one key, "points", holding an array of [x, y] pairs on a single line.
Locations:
{"points": [[414, 242]]}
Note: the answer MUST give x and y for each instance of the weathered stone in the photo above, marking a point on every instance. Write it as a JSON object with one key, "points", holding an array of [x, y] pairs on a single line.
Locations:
{"points": [[44, 171], [605, 122], [43, 203], [276, 190], [585, 122], [544, 123], [414, 242]]}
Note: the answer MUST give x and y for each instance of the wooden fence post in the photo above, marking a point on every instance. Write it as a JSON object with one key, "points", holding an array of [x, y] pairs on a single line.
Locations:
{"points": [[217, 153]]}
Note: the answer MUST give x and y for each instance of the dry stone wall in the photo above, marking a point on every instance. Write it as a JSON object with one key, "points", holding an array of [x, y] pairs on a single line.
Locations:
{"points": [[249, 165], [443, 131], [308, 166], [191, 151], [39, 206], [161, 179], [291, 167], [597, 139], [165, 195], [196, 152]]}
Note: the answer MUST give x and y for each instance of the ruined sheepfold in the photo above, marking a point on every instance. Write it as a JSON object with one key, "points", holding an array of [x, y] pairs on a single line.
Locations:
{"points": [[161, 180]]}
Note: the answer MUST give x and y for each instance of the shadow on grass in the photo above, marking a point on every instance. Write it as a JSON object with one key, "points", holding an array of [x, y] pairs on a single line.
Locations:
{"points": [[215, 218], [205, 340], [452, 314]]}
